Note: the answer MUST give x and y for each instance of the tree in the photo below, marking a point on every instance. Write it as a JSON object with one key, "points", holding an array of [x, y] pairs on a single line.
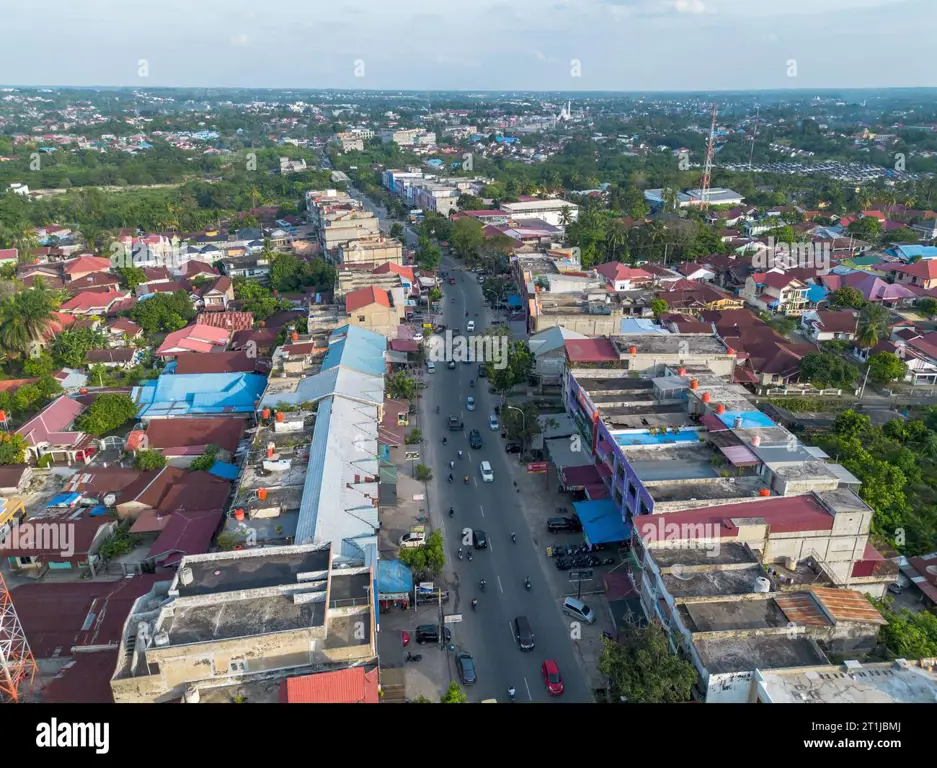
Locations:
{"points": [[397, 232], [453, 695], [25, 318], [107, 413], [521, 424], [873, 325], [850, 424], [424, 473], [641, 669], [658, 307], [399, 386], [846, 297], [429, 557], [823, 370], [908, 634], [886, 367], [12, 448], [71, 347], [434, 295], [428, 255], [867, 228], [928, 306], [467, 237], [414, 436], [149, 460], [164, 312], [131, 277], [207, 460]]}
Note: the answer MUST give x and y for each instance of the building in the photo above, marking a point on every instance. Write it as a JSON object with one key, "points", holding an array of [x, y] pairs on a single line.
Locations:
{"points": [[93, 302], [692, 197], [241, 619], [51, 432], [343, 227], [922, 273], [183, 440], [830, 326], [291, 166], [550, 211], [175, 395], [375, 310], [194, 338], [777, 292], [373, 251], [409, 137], [619, 277]]}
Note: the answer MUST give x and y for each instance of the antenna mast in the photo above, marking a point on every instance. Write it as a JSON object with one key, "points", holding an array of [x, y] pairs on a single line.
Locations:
{"points": [[18, 667], [708, 167], [754, 136]]}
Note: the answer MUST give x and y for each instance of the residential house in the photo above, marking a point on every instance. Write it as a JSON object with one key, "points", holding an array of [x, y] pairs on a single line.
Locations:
{"points": [[217, 362], [175, 395], [51, 432], [181, 441], [9, 256], [84, 266], [198, 270], [229, 321], [623, 278], [549, 350], [872, 288], [374, 309], [215, 297], [13, 481], [123, 330], [693, 271], [776, 291], [922, 273], [253, 267], [700, 297], [829, 326], [194, 338], [96, 281], [93, 302], [119, 357], [71, 380]]}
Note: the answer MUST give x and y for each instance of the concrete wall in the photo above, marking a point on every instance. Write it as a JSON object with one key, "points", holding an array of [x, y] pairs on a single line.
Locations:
{"points": [[586, 324]]}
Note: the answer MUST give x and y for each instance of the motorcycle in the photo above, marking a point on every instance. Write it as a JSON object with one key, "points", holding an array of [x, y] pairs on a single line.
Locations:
{"points": [[445, 440], [414, 657], [451, 511], [512, 693], [470, 555], [527, 584], [481, 584], [460, 454], [466, 479], [450, 478], [451, 465], [514, 538], [460, 553], [474, 604]]}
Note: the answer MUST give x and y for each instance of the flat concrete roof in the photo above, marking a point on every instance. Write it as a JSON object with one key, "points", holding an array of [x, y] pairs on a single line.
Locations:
{"points": [[664, 468], [746, 654], [721, 488], [862, 684], [712, 583], [727, 615], [672, 344], [348, 586], [729, 553], [264, 569]]}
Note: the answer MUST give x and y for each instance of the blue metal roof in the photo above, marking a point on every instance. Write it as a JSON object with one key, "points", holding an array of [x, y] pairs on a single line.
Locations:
{"points": [[205, 393], [309, 506], [750, 419], [909, 252], [356, 348], [602, 522], [816, 293], [64, 500], [514, 300], [224, 470]]}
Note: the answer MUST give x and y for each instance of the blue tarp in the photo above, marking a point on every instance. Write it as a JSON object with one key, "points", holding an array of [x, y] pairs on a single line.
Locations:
{"points": [[816, 294], [393, 578], [97, 511], [602, 522], [224, 470], [514, 301], [64, 500]]}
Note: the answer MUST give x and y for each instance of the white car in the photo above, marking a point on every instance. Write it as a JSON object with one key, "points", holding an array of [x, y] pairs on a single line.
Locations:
{"points": [[470, 403], [417, 336], [410, 540], [487, 475], [493, 423], [471, 326]]}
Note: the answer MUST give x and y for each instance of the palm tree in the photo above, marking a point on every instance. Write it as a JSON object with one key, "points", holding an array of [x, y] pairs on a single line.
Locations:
{"points": [[565, 216], [669, 198], [873, 325], [616, 236], [25, 318]]}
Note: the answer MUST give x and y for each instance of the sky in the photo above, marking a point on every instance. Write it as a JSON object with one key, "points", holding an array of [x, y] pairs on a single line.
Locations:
{"points": [[474, 45]]}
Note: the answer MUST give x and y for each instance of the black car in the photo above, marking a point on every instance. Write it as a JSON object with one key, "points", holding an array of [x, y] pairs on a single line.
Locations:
{"points": [[455, 423], [429, 633], [466, 669], [564, 524], [479, 539], [482, 371], [475, 439], [523, 633], [512, 447]]}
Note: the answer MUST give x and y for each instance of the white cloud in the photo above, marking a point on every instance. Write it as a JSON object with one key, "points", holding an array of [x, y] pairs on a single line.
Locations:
{"points": [[239, 39], [689, 6]]}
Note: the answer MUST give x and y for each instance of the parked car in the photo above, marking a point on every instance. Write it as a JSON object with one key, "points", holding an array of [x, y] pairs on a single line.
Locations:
{"points": [[467, 669], [513, 448], [578, 610], [470, 403], [410, 540], [429, 633], [895, 589], [479, 539], [475, 439], [487, 475], [493, 423], [564, 524], [552, 677]]}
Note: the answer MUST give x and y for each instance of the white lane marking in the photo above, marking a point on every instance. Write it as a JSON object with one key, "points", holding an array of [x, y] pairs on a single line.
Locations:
{"points": [[489, 546], [511, 630], [499, 585], [482, 509], [475, 480], [529, 697]]}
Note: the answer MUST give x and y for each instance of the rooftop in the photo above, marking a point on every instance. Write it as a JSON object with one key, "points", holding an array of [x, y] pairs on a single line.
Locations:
{"points": [[900, 682], [745, 654]]}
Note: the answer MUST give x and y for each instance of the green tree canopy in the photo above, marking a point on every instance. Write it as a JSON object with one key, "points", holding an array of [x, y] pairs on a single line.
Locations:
{"points": [[108, 412], [12, 448], [149, 460], [886, 367], [164, 312], [431, 556], [824, 370], [453, 695]]}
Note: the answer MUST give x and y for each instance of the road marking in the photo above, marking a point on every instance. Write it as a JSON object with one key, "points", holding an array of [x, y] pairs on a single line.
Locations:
{"points": [[475, 480], [499, 585], [511, 630], [529, 697], [482, 509]]}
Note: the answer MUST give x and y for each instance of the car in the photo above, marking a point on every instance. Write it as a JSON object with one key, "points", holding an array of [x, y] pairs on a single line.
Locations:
{"points": [[578, 610], [552, 677], [451, 281], [493, 423], [513, 448], [418, 336], [451, 365], [523, 634], [895, 589], [481, 278], [475, 439], [479, 539], [470, 403], [466, 666], [410, 540], [470, 326], [564, 524], [482, 371], [429, 633], [487, 475], [455, 423], [431, 366]]}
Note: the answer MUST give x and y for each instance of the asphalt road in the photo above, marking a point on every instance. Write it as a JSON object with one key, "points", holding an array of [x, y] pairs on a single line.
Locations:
{"points": [[487, 633]]}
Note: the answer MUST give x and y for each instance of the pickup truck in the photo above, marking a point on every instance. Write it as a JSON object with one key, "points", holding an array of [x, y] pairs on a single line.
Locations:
{"points": [[455, 423]]}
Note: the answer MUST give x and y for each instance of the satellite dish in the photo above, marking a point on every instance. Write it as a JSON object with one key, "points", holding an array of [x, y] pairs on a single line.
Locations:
{"points": [[109, 500]]}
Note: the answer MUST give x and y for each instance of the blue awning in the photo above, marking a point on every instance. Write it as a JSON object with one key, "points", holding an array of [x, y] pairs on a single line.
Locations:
{"points": [[393, 578], [514, 301], [602, 522]]}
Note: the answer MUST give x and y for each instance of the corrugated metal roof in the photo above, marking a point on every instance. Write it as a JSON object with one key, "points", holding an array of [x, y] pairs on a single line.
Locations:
{"points": [[801, 608], [848, 605], [344, 686]]}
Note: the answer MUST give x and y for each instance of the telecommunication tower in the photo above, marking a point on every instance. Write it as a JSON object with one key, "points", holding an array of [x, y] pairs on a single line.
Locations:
{"points": [[18, 668], [708, 167]]}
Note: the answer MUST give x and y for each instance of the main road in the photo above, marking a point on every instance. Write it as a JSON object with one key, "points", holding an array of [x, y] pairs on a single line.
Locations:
{"points": [[494, 508]]}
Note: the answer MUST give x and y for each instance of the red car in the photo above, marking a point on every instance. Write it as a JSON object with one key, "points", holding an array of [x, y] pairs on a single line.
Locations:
{"points": [[451, 281], [552, 678]]}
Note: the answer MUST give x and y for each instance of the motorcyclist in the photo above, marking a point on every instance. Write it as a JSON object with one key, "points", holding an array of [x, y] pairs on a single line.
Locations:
{"points": [[512, 692], [527, 582], [450, 477], [451, 513], [451, 465], [514, 538], [445, 440], [474, 604], [482, 584], [466, 480], [460, 454]]}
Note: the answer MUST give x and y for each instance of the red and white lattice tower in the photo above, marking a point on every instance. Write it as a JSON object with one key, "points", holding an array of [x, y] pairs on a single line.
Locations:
{"points": [[18, 668], [708, 167]]}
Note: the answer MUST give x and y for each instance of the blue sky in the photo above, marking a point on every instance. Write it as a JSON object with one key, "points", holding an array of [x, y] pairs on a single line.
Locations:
{"points": [[587, 45]]}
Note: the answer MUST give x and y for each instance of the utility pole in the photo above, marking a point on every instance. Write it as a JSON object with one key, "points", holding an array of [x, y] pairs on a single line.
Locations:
{"points": [[864, 381]]}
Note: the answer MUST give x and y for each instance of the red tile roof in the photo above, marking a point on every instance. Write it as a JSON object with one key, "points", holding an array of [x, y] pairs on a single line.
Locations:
{"points": [[590, 351], [49, 424], [365, 297], [84, 264], [87, 301], [194, 338], [217, 362], [344, 686], [176, 434], [232, 321], [186, 533]]}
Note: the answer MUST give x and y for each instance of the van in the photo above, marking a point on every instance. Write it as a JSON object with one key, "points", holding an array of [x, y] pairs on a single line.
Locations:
{"points": [[578, 610], [431, 366], [523, 633]]}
